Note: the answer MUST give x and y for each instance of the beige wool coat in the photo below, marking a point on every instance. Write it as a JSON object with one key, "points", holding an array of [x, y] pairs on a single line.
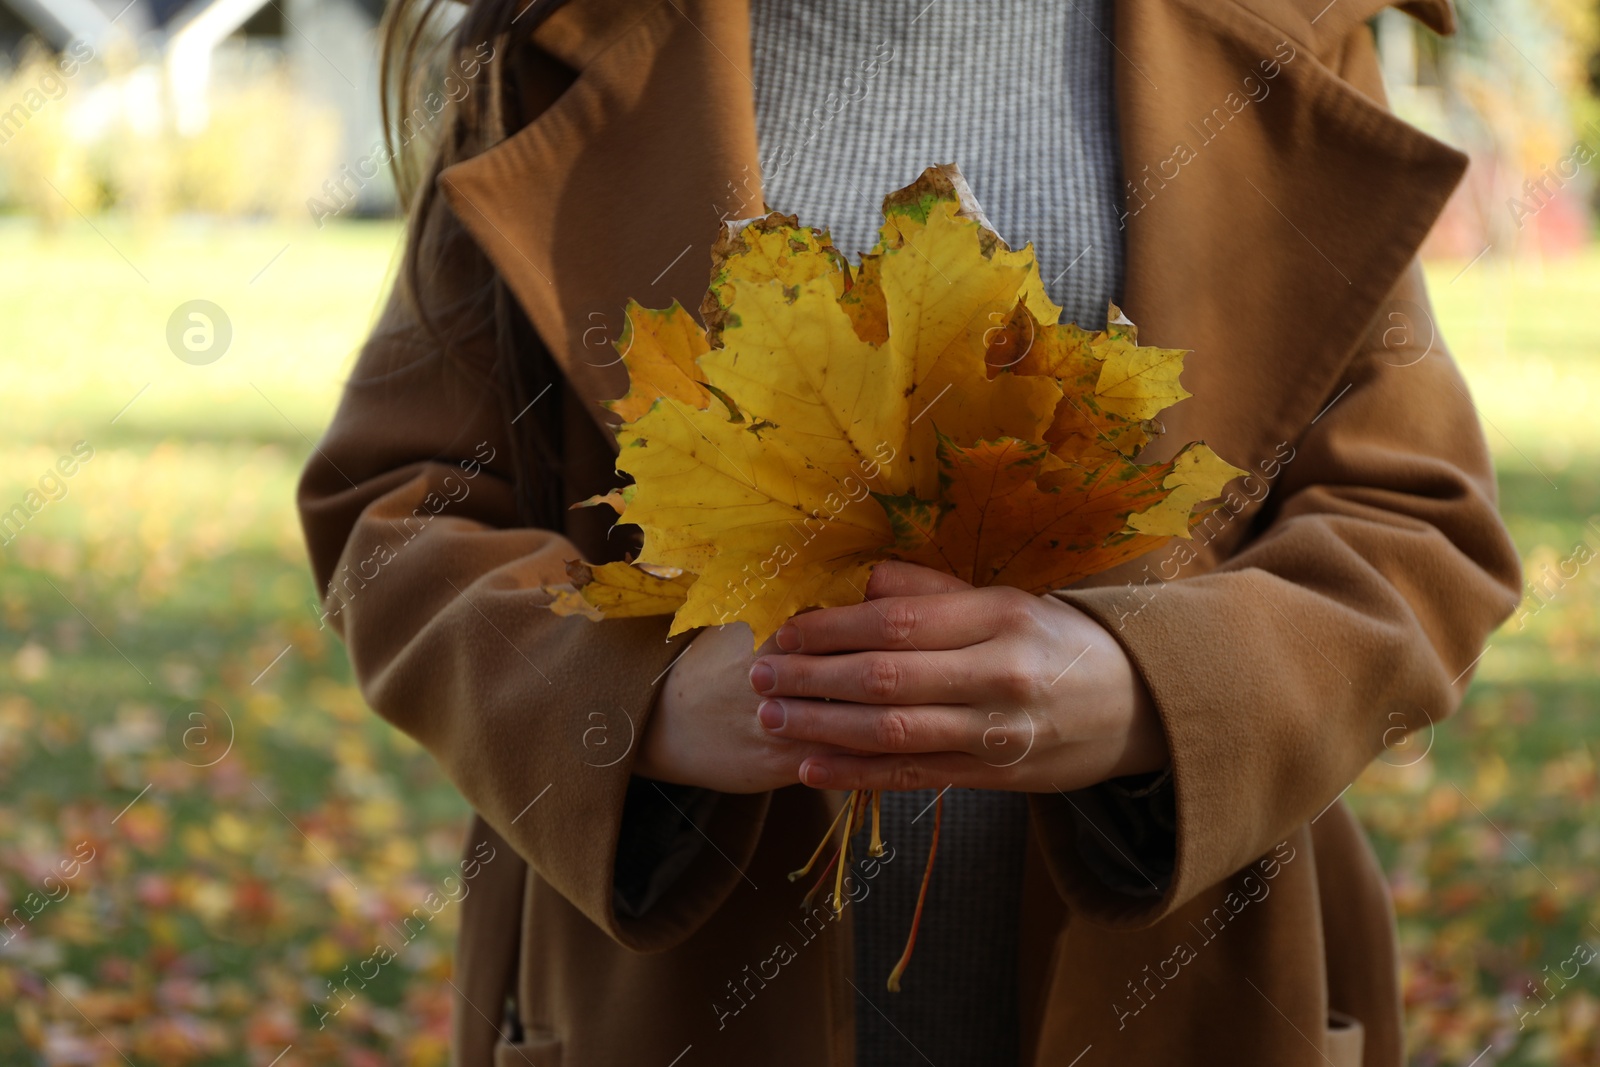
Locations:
{"points": [[1274, 211]]}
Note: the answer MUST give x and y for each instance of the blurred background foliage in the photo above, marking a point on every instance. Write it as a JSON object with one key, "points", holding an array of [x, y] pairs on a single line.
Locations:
{"points": [[243, 862]]}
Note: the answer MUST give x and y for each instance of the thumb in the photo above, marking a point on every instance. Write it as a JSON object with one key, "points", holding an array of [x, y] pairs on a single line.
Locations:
{"points": [[896, 578]]}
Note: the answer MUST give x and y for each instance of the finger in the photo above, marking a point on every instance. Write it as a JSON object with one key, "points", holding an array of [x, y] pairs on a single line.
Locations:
{"points": [[900, 774], [871, 728], [917, 623], [949, 677], [896, 578]]}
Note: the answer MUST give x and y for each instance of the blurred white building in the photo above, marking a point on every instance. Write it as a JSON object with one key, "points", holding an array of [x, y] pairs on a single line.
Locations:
{"points": [[163, 65]]}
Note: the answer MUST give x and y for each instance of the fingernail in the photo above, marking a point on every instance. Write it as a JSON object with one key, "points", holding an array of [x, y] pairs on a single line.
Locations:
{"points": [[771, 714], [762, 676], [788, 637], [814, 774]]}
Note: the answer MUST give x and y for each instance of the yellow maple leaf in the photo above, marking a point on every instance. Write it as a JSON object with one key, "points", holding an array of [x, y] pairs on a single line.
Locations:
{"points": [[659, 348], [616, 500], [774, 247], [1011, 514], [619, 591], [1136, 381], [566, 600], [1195, 474], [1112, 387], [948, 282], [772, 513]]}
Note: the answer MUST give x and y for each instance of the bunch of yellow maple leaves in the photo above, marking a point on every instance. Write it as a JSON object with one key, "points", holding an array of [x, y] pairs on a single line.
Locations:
{"points": [[925, 405]]}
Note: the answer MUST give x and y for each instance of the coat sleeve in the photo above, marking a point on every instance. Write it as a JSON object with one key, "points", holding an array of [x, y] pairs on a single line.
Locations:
{"points": [[410, 519], [1357, 610]]}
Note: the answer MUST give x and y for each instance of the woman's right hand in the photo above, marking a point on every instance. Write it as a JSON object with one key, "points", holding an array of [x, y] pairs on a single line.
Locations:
{"points": [[704, 730]]}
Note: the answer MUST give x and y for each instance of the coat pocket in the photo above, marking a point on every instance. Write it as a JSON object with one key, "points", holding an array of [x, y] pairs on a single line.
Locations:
{"points": [[1341, 1043], [535, 1051]]}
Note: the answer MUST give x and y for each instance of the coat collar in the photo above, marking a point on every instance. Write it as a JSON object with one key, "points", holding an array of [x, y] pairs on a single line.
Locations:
{"points": [[1265, 239], [617, 190]]}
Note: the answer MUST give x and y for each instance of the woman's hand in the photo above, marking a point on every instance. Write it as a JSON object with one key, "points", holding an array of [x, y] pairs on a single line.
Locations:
{"points": [[931, 682], [704, 730]]}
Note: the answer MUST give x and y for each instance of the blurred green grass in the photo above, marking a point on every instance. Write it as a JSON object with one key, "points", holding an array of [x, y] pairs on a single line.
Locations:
{"points": [[221, 903], [222, 899]]}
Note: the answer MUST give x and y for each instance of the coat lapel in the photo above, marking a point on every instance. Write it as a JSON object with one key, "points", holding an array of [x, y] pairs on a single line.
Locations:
{"points": [[617, 190], [1271, 206]]}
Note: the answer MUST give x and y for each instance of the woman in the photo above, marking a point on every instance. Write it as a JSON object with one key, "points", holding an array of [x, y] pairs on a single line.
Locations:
{"points": [[1169, 876]]}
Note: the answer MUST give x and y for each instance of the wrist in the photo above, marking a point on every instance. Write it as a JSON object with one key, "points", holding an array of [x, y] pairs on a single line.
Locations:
{"points": [[1129, 737], [1144, 749]]}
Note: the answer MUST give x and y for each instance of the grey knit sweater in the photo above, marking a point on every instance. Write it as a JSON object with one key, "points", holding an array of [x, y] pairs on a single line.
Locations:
{"points": [[854, 98]]}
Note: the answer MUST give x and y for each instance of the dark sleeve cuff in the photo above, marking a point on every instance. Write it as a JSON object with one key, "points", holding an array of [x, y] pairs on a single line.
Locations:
{"points": [[1127, 832], [663, 829]]}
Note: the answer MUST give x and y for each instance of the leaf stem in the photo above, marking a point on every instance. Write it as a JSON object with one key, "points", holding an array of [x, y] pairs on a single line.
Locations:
{"points": [[922, 896], [823, 844], [811, 894], [854, 803]]}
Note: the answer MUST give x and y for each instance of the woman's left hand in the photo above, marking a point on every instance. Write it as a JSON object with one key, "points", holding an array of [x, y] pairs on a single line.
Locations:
{"points": [[931, 682]]}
